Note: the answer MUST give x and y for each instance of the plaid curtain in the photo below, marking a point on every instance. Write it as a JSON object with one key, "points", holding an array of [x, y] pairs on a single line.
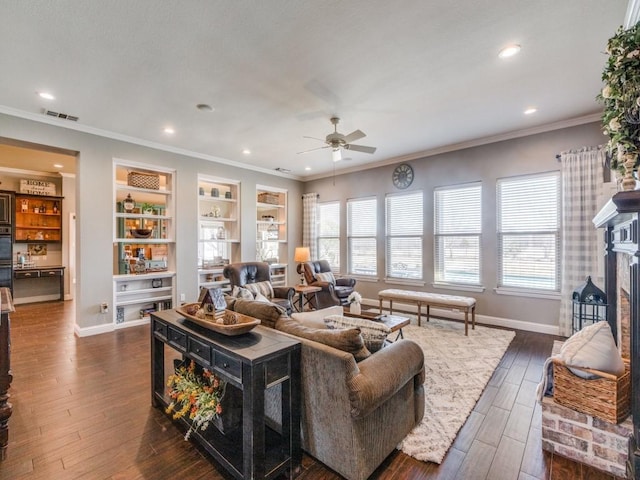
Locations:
{"points": [[310, 223], [582, 184]]}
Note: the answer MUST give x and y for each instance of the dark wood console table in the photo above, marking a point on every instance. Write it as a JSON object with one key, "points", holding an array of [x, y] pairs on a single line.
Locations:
{"points": [[42, 272], [6, 307], [252, 362]]}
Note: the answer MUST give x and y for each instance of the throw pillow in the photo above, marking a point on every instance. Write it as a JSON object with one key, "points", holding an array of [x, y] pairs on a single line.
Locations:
{"points": [[373, 333], [264, 288], [261, 298], [348, 340], [593, 347], [240, 292], [315, 318], [267, 313], [326, 277]]}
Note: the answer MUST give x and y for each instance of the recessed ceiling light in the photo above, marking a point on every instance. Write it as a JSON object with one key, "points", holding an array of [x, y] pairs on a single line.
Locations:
{"points": [[509, 51], [531, 110], [169, 130], [307, 168], [203, 107], [246, 151], [46, 96], [57, 165]]}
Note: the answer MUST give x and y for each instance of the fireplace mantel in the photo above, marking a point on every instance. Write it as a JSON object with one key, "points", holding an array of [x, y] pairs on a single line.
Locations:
{"points": [[620, 220]]}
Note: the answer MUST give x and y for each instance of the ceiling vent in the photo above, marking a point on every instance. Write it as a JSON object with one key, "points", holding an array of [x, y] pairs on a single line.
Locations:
{"points": [[64, 116]]}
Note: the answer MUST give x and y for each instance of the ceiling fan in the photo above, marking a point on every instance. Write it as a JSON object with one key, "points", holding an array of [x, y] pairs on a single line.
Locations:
{"points": [[337, 142]]}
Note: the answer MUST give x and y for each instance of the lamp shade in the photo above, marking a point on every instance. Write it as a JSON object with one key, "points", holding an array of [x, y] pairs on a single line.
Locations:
{"points": [[302, 254]]}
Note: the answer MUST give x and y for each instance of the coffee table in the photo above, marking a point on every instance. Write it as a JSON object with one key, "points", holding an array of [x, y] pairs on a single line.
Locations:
{"points": [[395, 322]]}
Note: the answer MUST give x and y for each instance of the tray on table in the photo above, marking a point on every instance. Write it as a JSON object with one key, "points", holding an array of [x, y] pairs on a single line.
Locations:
{"points": [[244, 323]]}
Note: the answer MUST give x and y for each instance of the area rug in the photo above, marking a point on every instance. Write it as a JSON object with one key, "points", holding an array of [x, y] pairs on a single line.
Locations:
{"points": [[457, 370]]}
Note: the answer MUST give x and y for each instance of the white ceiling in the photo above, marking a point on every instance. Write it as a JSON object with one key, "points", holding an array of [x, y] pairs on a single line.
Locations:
{"points": [[416, 76]]}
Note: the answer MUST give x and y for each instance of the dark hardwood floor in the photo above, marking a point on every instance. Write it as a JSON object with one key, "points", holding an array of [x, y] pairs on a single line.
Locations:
{"points": [[81, 410]]}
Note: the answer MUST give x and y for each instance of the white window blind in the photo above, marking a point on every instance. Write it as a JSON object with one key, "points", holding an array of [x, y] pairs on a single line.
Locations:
{"points": [[329, 233], [457, 231], [404, 226], [361, 235], [529, 232]]}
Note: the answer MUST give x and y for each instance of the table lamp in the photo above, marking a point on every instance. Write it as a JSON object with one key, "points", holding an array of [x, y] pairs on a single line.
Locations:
{"points": [[301, 255]]}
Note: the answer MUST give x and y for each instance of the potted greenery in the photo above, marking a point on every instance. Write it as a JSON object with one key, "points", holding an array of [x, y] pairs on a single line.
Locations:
{"points": [[147, 208], [621, 98]]}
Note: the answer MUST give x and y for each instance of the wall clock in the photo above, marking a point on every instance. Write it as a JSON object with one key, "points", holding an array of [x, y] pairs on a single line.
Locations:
{"points": [[402, 176]]}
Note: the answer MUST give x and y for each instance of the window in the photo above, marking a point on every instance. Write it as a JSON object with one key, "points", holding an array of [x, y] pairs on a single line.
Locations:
{"points": [[529, 232], [457, 230], [404, 235], [329, 233], [361, 236]]}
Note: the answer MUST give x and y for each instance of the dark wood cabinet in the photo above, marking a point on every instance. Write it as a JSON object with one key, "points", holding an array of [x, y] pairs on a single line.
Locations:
{"points": [[252, 362], [6, 409]]}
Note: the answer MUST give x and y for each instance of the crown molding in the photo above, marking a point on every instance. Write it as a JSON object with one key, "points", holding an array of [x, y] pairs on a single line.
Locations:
{"points": [[37, 117], [548, 127], [633, 14]]}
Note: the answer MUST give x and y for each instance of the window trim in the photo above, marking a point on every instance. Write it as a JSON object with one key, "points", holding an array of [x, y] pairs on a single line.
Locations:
{"points": [[335, 269], [517, 290], [387, 274], [349, 237], [465, 286]]}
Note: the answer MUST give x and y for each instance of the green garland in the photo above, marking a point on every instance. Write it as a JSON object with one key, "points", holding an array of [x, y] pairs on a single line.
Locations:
{"points": [[621, 94]]}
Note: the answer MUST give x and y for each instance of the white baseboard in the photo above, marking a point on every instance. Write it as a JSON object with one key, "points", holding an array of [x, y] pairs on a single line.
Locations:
{"points": [[480, 319], [107, 327]]}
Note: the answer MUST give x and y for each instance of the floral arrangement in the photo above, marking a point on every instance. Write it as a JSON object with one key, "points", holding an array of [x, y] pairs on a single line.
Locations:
{"points": [[621, 95], [197, 395], [354, 297]]}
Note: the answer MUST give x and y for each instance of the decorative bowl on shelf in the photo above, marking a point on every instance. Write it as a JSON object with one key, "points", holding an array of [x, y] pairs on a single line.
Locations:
{"points": [[141, 232]]}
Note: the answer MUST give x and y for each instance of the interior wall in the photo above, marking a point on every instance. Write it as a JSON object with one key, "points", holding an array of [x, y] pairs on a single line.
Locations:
{"points": [[487, 163], [94, 209]]}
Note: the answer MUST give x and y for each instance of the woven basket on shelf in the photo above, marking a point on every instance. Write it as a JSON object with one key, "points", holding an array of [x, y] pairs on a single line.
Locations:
{"points": [[143, 180], [607, 398], [269, 198]]}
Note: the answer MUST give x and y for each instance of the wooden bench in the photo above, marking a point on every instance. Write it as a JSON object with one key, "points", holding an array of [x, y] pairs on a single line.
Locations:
{"points": [[454, 302]]}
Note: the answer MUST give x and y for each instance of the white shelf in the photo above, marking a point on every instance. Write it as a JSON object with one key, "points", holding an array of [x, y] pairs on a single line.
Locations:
{"points": [[208, 198], [268, 206], [140, 293]]}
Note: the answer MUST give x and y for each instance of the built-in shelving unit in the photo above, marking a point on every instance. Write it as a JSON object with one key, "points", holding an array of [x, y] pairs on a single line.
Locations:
{"points": [[38, 218], [271, 231], [144, 242], [218, 229]]}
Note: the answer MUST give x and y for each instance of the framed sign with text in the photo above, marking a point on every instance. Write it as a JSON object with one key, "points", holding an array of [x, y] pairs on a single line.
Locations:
{"points": [[37, 187]]}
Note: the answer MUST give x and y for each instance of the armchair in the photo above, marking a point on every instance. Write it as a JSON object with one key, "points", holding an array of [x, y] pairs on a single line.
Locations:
{"points": [[332, 293], [243, 274]]}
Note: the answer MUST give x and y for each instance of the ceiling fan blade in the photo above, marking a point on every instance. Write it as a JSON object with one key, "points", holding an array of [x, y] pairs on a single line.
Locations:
{"points": [[314, 138], [353, 136], [360, 148], [312, 150], [336, 154]]}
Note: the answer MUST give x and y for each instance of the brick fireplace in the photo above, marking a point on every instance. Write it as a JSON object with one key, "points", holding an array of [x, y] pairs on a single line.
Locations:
{"points": [[606, 446]]}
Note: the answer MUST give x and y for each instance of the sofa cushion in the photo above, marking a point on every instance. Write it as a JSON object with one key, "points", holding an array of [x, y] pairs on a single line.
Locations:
{"points": [[593, 347], [261, 298], [315, 318], [325, 277], [267, 313], [264, 288], [347, 340], [373, 333]]}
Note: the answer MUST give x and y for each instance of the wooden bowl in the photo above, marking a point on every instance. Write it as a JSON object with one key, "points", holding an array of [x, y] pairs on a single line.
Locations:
{"points": [[141, 232]]}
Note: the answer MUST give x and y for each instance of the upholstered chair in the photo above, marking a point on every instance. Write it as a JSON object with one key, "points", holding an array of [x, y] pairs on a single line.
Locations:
{"points": [[257, 274], [334, 290]]}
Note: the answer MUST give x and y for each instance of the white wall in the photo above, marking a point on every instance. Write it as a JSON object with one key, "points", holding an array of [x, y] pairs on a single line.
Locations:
{"points": [[487, 163], [94, 209]]}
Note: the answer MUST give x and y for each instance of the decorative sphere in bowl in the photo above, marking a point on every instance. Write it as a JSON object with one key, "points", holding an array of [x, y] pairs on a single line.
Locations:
{"points": [[141, 232]]}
